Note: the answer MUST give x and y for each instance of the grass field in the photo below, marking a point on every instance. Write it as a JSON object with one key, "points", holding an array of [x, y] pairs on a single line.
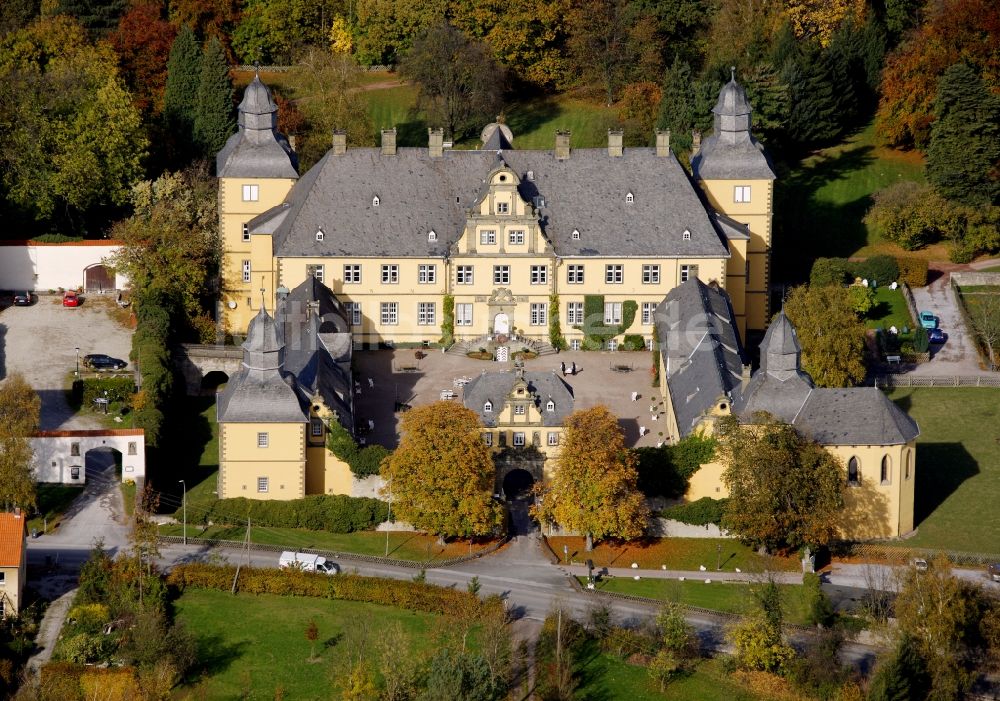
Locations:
{"points": [[53, 501], [251, 646], [890, 310], [717, 596], [676, 553], [957, 467], [821, 202], [196, 461]]}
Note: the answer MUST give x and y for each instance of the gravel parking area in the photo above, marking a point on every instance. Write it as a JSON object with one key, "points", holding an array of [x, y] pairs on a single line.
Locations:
{"points": [[40, 341], [958, 355]]}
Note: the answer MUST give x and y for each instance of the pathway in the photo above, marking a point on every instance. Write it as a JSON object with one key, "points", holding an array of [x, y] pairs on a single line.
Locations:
{"points": [[48, 631], [958, 356]]}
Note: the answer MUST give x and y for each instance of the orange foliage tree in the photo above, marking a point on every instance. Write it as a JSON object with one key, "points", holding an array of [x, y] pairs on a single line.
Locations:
{"points": [[142, 42]]}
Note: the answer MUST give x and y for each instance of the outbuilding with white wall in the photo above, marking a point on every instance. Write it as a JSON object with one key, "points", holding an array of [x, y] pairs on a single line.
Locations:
{"points": [[40, 267]]}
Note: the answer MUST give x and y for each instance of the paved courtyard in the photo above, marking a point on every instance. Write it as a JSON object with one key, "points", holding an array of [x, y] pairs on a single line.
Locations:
{"points": [[39, 342], [596, 382]]}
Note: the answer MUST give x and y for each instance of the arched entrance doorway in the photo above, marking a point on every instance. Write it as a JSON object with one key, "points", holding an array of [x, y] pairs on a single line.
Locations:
{"points": [[518, 484], [501, 324], [98, 278], [213, 382], [103, 466]]}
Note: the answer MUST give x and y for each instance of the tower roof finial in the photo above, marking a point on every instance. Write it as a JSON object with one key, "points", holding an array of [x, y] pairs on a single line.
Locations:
{"points": [[732, 73]]}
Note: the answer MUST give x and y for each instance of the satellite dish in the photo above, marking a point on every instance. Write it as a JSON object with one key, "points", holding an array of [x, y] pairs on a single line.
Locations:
{"points": [[232, 304]]}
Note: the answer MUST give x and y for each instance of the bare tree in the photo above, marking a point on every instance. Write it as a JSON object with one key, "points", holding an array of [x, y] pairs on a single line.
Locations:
{"points": [[881, 585], [984, 316]]}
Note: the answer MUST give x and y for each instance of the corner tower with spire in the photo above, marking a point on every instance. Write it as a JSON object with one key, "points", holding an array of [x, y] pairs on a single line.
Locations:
{"points": [[256, 169], [738, 181]]}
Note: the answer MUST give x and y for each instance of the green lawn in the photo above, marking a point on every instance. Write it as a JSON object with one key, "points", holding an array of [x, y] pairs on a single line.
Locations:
{"points": [[251, 646], [53, 501], [957, 467], [196, 460], [821, 201], [686, 554], [717, 596], [992, 269], [890, 310]]}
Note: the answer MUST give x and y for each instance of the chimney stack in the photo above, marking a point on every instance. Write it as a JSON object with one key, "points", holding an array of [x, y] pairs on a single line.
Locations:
{"points": [[562, 145], [435, 142], [745, 378], [339, 142], [389, 142], [662, 142], [695, 143], [615, 142]]}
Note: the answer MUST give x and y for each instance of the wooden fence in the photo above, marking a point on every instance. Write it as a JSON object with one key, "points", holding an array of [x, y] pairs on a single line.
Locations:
{"points": [[903, 554], [905, 380]]}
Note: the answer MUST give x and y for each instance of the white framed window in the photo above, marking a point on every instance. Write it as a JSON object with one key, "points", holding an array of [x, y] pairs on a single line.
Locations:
{"points": [[651, 275], [688, 272], [518, 438], [246, 271], [390, 313], [741, 193], [648, 311], [262, 439], [316, 427], [650, 343], [614, 274], [246, 232], [352, 274], [463, 314], [487, 407], [612, 312], [629, 198], [262, 484], [553, 438], [251, 193], [539, 274], [74, 473], [612, 344], [316, 271], [575, 235], [574, 344], [488, 237], [432, 236], [574, 274], [520, 410], [353, 312], [516, 238], [390, 274], [550, 406], [376, 201], [320, 235], [426, 274], [426, 315], [574, 313], [463, 275], [539, 313], [686, 235], [503, 207], [488, 438], [501, 274]]}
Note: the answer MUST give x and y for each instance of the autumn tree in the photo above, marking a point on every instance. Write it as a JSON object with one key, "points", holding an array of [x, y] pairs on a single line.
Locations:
{"points": [[785, 491], [984, 317], [214, 119], [441, 476], [461, 86], [98, 17], [19, 416], [386, 28], [209, 19], [594, 490], [832, 336], [819, 19], [277, 31]]}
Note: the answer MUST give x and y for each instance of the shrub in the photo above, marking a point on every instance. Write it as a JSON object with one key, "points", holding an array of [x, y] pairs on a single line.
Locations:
{"points": [[634, 342], [862, 299], [820, 608], [829, 271], [116, 389], [625, 642], [921, 341], [910, 214], [697, 513], [363, 462], [880, 269], [912, 271], [334, 513]]}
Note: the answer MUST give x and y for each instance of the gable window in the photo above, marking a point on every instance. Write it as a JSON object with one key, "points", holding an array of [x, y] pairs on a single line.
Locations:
{"points": [[885, 476], [316, 427], [352, 274], [519, 409], [629, 198], [319, 235], [539, 274], [503, 207], [518, 438], [575, 235], [853, 472], [463, 275], [262, 439], [390, 274], [487, 407], [390, 313], [251, 193], [463, 314], [553, 438], [425, 314], [376, 201], [612, 312], [686, 236], [488, 237], [315, 271], [488, 438], [246, 271], [539, 313], [432, 236], [614, 274], [550, 406], [651, 275], [262, 484], [688, 272], [648, 310], [426, 274], [501, 274], [574, 313], [353, 312], [574, 274], [246, 232], [74, 450], [741, 193], [516, 238]]}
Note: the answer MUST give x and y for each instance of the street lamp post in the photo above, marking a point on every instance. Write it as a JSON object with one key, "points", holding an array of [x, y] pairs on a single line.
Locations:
{"points": [[184, 501], [78, 361], [718, 557]]}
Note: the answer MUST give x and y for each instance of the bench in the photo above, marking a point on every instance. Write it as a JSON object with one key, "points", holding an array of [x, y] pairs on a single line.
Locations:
{"points": [[893, 359]]}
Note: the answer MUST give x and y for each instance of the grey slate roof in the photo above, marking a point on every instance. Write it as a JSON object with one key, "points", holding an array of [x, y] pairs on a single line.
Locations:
{"points": [[418, 193], [779, 386], [495, 387], [730, 228], [496, 137], [855, 416], [257, 149], [731, 152], [701, 350]]}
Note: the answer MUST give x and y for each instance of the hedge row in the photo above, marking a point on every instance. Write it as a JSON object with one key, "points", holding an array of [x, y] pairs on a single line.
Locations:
{"points": [[414, 596], [334, 513], [116, 389], [697, 513], [363, 462], [71, 682], [882, 269]]}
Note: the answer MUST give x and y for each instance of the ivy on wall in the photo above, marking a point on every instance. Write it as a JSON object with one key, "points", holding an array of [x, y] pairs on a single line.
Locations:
{"points": [[556, 338], [448, 320], [362, 461], [596, 333]]}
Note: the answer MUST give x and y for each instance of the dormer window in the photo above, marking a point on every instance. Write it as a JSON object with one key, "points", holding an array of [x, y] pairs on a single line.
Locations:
{"points": [[319, 234], [576, 235], [519, 409], [487, 407], [686, 235], [630, 198], [550, 406], [376, 201], [432, 235]]}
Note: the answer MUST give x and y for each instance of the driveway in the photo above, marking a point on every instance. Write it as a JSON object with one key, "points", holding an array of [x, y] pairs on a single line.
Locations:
{"points": [[40, 341], [958, 356]]}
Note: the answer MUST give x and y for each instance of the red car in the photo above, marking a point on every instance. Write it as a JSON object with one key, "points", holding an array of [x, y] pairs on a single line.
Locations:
{"points": [[70, 299]]}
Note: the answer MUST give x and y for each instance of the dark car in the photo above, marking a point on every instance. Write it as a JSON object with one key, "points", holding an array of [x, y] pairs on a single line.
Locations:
{"points": [[99, 361], [936, 336], [993, 571], [23, 299]]}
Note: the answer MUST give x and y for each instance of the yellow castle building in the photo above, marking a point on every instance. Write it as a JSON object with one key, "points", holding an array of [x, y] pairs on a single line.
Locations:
{"points": [[421, 243]]}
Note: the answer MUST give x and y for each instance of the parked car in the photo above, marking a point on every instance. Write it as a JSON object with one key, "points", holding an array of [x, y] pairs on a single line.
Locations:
{"points": [[307, 562], [936, 336], [71, 299], [23, 299], [99, 361], [920, 564], [928, 320], [993, 572]]}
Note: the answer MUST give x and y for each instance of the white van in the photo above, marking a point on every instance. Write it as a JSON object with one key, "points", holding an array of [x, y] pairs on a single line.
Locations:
{"points": [[307, 562]]}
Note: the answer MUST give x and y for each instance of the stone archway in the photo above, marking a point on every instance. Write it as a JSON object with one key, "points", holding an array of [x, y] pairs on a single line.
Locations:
{"points": [[213, 382], [501, 324], [517, 483]]}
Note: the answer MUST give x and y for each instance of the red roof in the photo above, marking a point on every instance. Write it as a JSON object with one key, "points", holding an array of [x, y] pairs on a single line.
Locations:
{"points": [[85, 242], [11, 539], [90, 433]]}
